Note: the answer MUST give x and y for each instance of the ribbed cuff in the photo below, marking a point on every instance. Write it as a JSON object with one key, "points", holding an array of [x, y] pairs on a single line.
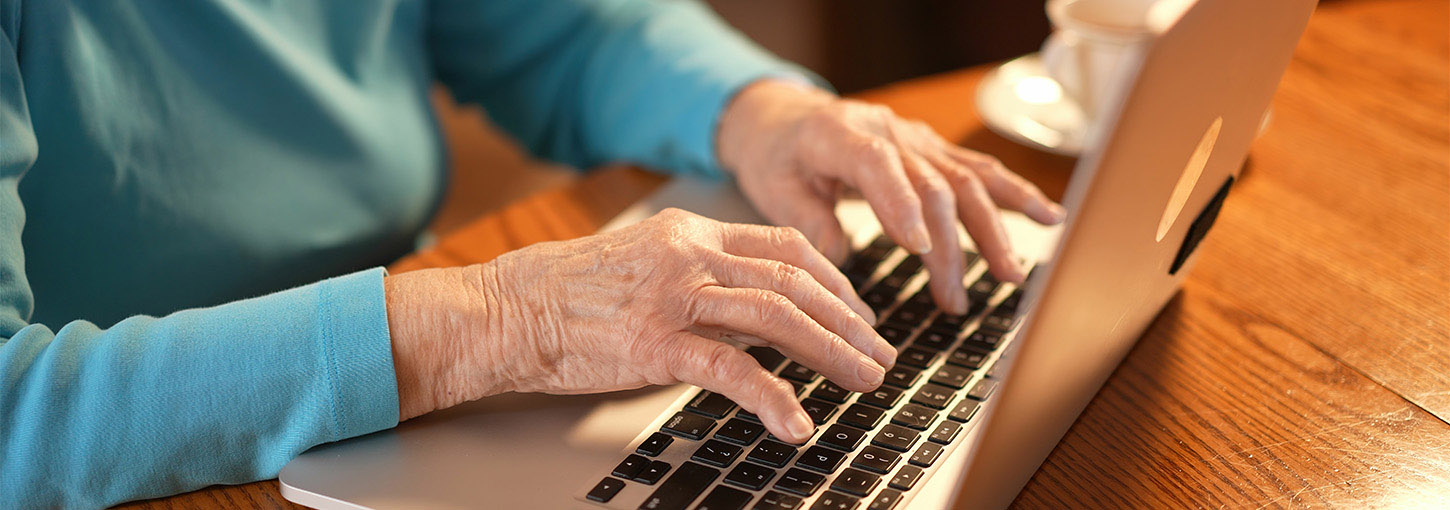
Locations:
{"points": [[354, 323]]}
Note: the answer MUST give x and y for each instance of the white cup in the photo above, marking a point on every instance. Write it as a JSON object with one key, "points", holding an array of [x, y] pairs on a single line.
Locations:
{"points": [[1092, 41]]}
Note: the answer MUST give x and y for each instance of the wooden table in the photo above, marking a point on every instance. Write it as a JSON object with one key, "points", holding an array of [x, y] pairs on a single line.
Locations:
{"points": [[1306, 362]]}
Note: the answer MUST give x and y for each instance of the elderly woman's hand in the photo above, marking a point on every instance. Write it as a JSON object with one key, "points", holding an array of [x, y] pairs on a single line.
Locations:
{"points": [[642, 305], [793, 147]]}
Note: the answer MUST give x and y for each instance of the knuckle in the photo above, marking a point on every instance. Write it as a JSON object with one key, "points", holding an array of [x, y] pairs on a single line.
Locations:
{"points": [[788, 276], [723, 363], [771, 307]]}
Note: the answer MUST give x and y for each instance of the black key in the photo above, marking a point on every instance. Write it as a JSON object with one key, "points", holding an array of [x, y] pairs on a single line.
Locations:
{"points": [[800, 387], [966, 357], [908, 266], [861, 416], [716, 453], [654, 445], [991, 373], [902, 376], [768, 358], [688, 426], [886, 500], [799, 481], [914, 416], [1000, 323], [952, 376], [884, 397], [919, 358], [774, 500], [740, 432], [877, 249], [876, 459], [983, 341], [857, 276], [910, 314], [951, 324], [926, 454], [630, 467], [895, 437], [964, 410], [1012, 302], [750, 476], [605, 490], [971, 258], [855, 481], [945, 432], [835, 501], [830, 392], [906, 478], [772, 453], [652, 472], [934, 396], [879, 298], [747, 415], [709, 403], [983, 288], [922, 297], [842, 437], [982, 389], [933, 340], [822, 459], [725, 498], [683, 487], [799, 373], [819, 410], [894, 335]]}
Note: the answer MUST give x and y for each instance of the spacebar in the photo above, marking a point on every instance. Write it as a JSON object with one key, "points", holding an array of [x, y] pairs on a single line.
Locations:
{"points": [[681, 488]]}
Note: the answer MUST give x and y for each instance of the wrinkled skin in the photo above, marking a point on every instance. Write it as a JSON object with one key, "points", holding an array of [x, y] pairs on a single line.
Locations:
{"points": [[648, 304]]}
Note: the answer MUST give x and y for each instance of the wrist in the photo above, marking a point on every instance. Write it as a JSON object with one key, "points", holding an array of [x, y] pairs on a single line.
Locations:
{"points": [[760, 116]]}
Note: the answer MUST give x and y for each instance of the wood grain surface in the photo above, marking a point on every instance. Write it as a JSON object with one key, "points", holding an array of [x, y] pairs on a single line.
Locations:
{"points": [[1305, 364]]}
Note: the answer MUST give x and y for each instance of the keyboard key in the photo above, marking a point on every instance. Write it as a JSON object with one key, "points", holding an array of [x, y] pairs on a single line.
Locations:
{"points": [[884, 397], [799, 373], [934, 396], [830, 392], [769, 359], [1000, 323], [964, 411], [982, 389], [630, 467], [772, 453], [800, 482], [945, 432], [681, 488], [688, 425], [861, 416], [966, 357], [855, 481], [710, 404], [902, 376], [835, 501], [725, 498], [877, 249], [716, 453], [910, 314], [919, 358], [819, 410], [876, 459], [774, 500], [908, 266], [926, 454], [605, 490], [894, 335], [895, 437], [879, 298], [933, 340], [822, 459], [654, 445], [952, 376], [800, 387], [951, 324], [750, 476], [886, 500], [652, 472], [747, 415], [914, 416], [906, 478], [740, 431], [1012, 302], [842, 437], [983, 288], [984, 341]]}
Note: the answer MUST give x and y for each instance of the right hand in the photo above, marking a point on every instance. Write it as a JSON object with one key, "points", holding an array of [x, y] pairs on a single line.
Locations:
{"points": [[643, 305]]}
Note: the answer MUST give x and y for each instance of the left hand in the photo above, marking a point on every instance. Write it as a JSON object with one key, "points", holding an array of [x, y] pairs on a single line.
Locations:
{"points": [[793, 147]]}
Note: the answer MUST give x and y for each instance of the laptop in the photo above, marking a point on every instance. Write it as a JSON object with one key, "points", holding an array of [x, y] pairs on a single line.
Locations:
{"points": [[974, 404]]}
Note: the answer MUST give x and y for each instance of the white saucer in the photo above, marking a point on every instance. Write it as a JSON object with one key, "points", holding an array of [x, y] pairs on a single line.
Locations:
{"points": [[1020, 102]]}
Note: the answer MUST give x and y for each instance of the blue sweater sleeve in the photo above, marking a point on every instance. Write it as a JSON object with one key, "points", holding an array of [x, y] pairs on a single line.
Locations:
{"points": [[587, 82], [90, 417]]}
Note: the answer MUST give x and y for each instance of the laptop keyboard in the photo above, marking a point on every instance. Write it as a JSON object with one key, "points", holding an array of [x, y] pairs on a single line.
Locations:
{"points": [[870, 450]]}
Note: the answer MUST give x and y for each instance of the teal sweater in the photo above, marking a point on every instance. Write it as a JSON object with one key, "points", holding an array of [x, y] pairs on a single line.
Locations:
{"points": [[167, 168]]}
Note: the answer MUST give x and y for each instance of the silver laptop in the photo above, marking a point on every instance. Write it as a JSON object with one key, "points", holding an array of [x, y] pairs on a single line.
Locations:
{"points": [[975, 403]]}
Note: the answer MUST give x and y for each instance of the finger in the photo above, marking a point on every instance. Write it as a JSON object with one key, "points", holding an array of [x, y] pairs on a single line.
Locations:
{"points": [[814, 214], [1006, 187], [723, 369], [873, 165], [772, 317], [809, 296], [984, 223], [789, 245], [946, 263]]}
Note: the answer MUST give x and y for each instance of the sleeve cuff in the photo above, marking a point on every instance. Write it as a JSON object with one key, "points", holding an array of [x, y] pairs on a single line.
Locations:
{"points": [[353, 320]]}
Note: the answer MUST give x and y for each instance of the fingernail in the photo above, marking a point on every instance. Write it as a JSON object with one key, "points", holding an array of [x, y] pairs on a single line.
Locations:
{"points": [[959, 302], [800, 426], [918, 241], [871, 373], [884, 354], [1056, 212]]}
